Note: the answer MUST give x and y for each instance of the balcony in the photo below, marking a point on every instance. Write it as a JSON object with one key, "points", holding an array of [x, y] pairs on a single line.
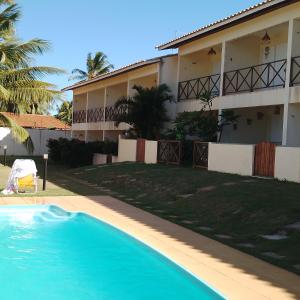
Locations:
{"points": [[112, 113], [95, 115], [194, 88], [249, 79], [79, 116]]}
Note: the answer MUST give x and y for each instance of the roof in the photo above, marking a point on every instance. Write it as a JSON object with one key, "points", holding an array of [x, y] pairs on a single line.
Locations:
{"points": [[37, 121], [239, 17], [122, 70]]}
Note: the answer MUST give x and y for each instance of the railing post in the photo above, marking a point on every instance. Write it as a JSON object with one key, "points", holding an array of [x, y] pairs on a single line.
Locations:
{"points": [[251, 83]]}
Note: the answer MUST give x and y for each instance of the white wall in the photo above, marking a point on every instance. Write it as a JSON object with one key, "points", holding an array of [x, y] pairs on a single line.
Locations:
{"points": [[287, 163], [127, 150], [39, 137], [231, 158]]}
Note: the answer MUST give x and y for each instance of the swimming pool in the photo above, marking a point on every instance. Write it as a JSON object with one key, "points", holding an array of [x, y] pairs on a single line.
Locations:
{"points": [[50, 254]]}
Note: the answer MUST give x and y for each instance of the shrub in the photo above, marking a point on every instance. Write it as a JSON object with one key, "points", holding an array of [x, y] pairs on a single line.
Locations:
{"points": [[75, 153]]}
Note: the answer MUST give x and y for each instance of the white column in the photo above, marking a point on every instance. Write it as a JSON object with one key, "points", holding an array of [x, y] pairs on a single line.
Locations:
{"points": [[158, 77], [104, 116], [178, 79], [86, 112], [287, 83], [223, 58]]}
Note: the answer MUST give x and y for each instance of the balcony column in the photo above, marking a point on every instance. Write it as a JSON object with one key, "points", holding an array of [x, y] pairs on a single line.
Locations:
{"points": [[86, 118], [104, 113], [223, 55], [287, 83]]}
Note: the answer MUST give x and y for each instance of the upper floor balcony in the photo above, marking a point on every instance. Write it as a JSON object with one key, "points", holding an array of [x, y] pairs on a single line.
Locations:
{"points": [[252, 63]]}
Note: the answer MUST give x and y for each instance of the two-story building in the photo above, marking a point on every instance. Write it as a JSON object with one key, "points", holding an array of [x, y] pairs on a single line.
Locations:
{"points": [[94, 114], [250, 63]]}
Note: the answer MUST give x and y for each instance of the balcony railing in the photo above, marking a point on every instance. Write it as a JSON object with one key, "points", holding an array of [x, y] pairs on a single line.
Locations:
{"points": [[195, 88], [268, 75], [79, 116], [95, 114], [112, 113], [295, 71]]}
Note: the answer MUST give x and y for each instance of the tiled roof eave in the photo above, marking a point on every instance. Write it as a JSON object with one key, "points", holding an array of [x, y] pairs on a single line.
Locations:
{"points": [[230, 21]]}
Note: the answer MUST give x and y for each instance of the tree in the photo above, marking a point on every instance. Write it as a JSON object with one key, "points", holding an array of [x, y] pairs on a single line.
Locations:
{"points": [[145, 111], [65, 112], [204, 124], [21, 88], [95, 66]]}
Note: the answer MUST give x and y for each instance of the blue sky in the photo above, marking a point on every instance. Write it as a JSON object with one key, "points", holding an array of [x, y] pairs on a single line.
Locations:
{"points": [[126, 31]]}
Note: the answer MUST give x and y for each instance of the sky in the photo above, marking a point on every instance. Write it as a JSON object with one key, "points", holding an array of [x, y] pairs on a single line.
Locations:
{"points": [[126, 31]]}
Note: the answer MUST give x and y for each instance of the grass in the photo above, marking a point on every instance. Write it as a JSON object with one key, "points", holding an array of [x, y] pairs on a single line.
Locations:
{"points": [[232, 209], [58, 184]]}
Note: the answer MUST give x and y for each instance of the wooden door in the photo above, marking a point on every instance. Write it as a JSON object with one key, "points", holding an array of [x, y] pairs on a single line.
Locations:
{"points": [[140, 150], [264, 160]]}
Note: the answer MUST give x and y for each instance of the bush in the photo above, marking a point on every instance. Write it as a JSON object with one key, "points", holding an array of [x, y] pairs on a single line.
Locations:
{"points": [[75, 153]]}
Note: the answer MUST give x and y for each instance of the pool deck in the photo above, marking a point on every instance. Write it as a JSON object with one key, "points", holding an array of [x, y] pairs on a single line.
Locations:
{"points": [[234, 274]]}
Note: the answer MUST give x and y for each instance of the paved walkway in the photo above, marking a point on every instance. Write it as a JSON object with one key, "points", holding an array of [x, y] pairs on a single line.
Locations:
{"points": [[235, 274]]}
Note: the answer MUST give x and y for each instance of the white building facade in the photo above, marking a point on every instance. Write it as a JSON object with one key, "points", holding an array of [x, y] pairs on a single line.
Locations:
{"points": [[249, 62]]}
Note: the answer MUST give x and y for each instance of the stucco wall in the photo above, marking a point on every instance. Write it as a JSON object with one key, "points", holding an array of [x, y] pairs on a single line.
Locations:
{"points": [[127, 150], [151, 152], [287, 163], [231, 158], [252, 130], [39, 137]]}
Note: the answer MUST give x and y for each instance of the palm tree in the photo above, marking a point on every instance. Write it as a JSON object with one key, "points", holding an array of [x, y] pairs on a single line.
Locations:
{"points": [[95, 66], [145, 111], [65, 112], [21, 88]]}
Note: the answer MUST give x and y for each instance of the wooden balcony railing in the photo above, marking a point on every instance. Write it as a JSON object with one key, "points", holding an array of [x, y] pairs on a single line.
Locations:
{"points": [[112, 113], [194, 88], [268, 75], [79, 116], [95, 114], [295, 71]]}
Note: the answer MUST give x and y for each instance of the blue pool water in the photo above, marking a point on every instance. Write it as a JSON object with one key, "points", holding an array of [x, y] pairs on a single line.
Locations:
{"points": [[49, 254]]}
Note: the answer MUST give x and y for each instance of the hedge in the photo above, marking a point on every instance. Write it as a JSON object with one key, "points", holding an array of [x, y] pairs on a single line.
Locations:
{"points": [[75, 153]]}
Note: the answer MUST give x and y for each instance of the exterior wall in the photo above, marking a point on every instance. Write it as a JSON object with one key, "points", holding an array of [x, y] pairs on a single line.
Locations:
{"points": [[39, 137], [229, 158], [260, 98], [151, 152], [78, 134], [94, 135], [114, 93], [127, 150], [252, 130], [287, 163], [200, 64]]}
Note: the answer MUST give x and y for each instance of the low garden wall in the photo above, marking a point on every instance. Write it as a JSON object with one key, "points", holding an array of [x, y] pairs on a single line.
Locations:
{"points": [[151, 152], [127, 150], [287, 163], [231, 158]]}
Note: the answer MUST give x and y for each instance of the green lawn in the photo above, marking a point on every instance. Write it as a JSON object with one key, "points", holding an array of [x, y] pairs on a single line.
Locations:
{"points": [[58, 183], [232, 209]]}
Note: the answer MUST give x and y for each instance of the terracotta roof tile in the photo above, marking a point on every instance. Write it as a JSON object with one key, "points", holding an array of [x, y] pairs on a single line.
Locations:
{"points": [[37, 121]]}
